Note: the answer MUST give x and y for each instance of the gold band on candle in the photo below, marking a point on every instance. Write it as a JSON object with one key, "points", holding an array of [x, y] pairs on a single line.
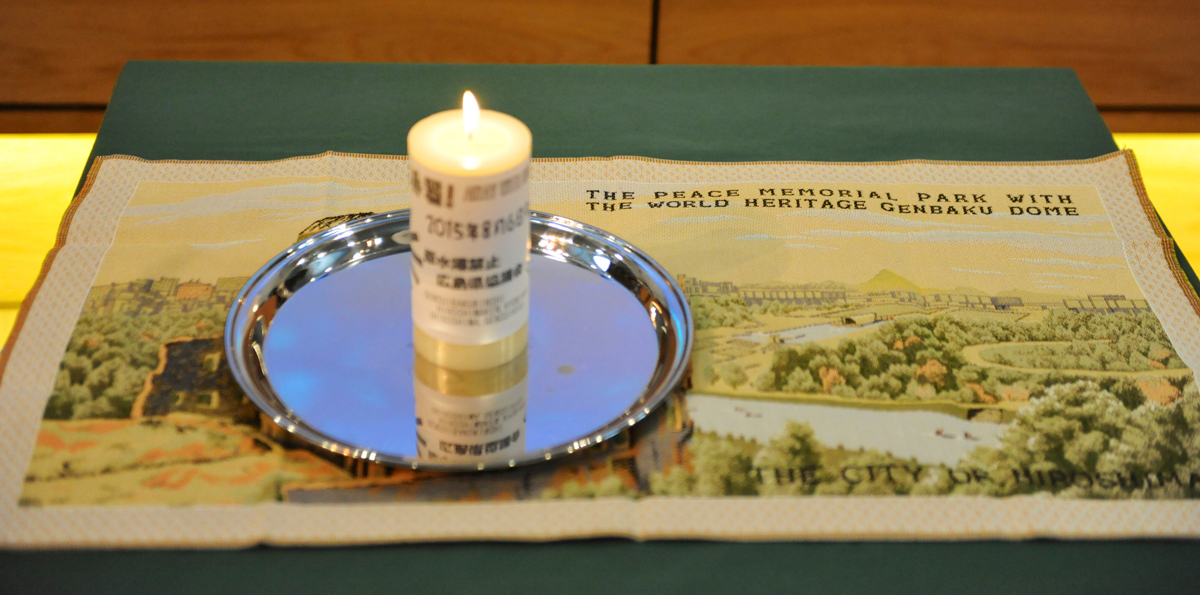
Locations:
{"points": [[471, 383], [470, 357]]}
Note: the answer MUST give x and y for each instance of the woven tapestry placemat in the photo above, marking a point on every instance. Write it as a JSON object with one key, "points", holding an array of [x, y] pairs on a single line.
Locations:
{"points": [[907, 350]]}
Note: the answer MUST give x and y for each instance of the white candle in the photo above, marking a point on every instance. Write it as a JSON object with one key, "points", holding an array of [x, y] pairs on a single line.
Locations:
{"points": [[470, 225]]}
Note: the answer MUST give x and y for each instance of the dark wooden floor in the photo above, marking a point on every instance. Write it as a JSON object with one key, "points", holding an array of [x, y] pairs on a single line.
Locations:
{"points": [[1139, 59]]}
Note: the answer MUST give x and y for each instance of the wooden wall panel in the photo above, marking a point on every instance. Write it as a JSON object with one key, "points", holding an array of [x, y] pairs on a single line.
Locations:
{"points": [[1127, 52], [70, 51], [1152, 121], [20, 121]]}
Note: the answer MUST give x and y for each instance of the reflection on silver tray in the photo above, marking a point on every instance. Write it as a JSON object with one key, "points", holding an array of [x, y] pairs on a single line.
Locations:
{"points": [[321, 340]]}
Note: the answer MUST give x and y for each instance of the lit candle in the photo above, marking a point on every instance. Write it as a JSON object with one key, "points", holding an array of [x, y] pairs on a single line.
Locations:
{"points": [[469, 170]]}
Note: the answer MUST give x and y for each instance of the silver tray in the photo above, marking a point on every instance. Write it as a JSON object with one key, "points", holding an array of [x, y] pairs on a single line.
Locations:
{"points": [[320, 339]]}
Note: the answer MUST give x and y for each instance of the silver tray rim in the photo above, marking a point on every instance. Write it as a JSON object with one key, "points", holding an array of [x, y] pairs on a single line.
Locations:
{"points": [[376, 236]]}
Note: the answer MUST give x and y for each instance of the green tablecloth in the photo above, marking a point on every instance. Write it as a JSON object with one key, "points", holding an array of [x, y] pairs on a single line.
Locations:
{"points": [[256, 111], [207, 110]]}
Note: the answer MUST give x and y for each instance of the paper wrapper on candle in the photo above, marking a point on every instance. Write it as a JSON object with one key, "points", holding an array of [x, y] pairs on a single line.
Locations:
{"points": [[470, 240]]}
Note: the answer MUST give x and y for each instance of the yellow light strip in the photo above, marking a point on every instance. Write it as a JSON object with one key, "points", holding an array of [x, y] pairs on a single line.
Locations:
{"points": [[38, 173], [1170, 165]]}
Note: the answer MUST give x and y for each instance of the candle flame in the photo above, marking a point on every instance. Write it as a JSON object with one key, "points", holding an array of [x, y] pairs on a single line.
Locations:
{"points": [[470, 114]]}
